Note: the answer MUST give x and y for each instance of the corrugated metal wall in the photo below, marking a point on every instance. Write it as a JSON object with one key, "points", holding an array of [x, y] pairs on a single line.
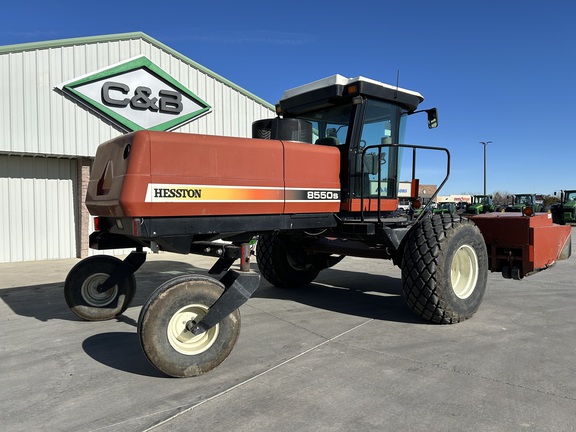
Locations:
{"points": [[37, 208], [39, 195], [36, 119]]}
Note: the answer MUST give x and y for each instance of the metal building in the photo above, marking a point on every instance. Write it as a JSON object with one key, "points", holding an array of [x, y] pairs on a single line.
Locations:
{"points": [[62, 98]]}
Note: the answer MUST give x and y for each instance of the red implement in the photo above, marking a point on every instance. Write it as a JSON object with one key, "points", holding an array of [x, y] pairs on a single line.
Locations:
{"points": [[520, 245]]}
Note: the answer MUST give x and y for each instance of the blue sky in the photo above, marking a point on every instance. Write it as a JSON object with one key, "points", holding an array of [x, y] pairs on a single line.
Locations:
{"points": [[501, 71]]}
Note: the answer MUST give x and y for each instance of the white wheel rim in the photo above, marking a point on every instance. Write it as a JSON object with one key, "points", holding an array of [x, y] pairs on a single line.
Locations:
{"points": [[90, 292], [464, 271], [183, 340]]}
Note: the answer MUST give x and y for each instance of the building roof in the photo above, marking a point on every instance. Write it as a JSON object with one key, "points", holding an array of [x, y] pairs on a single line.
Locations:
{"points": [[127, 36]]}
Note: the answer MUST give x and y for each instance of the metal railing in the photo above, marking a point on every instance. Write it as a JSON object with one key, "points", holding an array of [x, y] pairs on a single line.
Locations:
{"points": [[395, 194]]}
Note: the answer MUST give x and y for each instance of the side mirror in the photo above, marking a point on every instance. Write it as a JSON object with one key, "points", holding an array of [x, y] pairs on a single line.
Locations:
{"points": [[432, 118]]}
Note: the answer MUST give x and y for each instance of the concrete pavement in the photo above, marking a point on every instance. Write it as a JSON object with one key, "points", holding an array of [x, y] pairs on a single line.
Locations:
{"points": [[343, 354]]}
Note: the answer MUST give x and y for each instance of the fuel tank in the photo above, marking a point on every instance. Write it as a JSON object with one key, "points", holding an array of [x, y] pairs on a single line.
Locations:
{"points": [[149, 173]]}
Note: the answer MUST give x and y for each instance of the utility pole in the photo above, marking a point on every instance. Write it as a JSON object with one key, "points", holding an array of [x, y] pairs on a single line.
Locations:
{"points": [[485, 143]]}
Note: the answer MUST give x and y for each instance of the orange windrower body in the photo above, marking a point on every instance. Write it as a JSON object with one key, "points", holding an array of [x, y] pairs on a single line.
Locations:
{"points": [[147, 174]]}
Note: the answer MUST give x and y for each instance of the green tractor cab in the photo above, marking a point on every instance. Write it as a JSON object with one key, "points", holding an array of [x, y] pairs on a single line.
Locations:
{"points": [[564, 212], [521, 201], [445, 207], [481, 204]]}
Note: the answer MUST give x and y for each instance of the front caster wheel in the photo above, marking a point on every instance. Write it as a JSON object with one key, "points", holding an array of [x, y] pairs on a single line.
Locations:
{"points": [[165, 320], [81, 289]]}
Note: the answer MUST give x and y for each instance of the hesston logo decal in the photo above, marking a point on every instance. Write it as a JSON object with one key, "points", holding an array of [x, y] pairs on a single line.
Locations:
{"points": [[136, 94], [184, 193], [157, 193], [211, 193]]}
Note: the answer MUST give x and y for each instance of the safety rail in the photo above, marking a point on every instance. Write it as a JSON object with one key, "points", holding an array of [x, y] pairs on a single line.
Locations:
{"points": [[395, 194]]}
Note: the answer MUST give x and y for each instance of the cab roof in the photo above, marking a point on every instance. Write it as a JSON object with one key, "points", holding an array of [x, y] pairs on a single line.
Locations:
{"points": [[326, 91]]}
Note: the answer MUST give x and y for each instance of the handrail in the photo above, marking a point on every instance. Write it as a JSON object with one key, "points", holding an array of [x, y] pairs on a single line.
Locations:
{"points": [[414, 147]]}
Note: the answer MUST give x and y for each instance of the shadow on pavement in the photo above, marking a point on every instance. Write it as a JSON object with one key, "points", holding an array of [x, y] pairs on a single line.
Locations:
{"points": [[121, 351], [45, 302], [348, 292]]}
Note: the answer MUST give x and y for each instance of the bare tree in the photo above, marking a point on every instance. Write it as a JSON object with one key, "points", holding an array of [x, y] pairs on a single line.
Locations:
{"points": [[501, 198]]}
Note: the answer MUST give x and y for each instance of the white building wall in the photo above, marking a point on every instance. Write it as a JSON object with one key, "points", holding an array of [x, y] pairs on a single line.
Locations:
{"points": [[454, 198], [36, 119], [42, 132], [37, 208]]}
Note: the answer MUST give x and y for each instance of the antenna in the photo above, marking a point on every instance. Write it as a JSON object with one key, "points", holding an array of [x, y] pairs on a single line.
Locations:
{"points": [[397, 82]]}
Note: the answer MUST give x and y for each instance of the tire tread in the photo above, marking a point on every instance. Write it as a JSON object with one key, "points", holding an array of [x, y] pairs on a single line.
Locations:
{"points": [[420, 268]]}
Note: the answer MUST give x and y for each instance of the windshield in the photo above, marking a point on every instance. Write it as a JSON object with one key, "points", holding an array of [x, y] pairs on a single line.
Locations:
{"points": [[330, 125], [524, 199]]}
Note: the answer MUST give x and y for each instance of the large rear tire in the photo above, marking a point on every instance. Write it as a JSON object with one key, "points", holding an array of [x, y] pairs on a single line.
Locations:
{"points": [[444, 269], [165, 338], [283, 263]]}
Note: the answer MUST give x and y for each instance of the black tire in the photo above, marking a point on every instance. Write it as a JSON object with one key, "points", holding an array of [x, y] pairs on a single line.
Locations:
{"points": [[165, 341], [85, 301], [283, 263], [444, 269]]}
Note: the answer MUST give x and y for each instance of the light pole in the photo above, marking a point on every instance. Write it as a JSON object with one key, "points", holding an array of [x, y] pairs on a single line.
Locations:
{"points": [[485, 143]]}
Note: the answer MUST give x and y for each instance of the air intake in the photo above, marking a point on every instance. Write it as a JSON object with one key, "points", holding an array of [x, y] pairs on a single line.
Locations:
{"points": [[283, 129]]}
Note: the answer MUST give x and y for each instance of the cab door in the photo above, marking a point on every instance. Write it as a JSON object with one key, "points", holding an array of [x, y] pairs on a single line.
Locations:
{"points": [[374, 158]]}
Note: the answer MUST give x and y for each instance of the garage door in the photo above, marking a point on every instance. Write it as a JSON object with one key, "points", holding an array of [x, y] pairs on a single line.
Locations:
{"points": [[37, 202]]}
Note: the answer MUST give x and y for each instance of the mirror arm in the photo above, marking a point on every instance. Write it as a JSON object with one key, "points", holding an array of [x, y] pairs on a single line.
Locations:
{"points": [[432, 116]]}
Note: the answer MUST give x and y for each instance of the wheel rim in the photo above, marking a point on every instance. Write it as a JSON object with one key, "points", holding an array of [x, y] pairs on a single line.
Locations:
{"points": [[464, 271], [294, 264], [90, 292], [183, 340]]}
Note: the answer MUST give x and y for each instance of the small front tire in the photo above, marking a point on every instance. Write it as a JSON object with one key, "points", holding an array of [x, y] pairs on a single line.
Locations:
{"points": [[81, 289], [163, 327]]}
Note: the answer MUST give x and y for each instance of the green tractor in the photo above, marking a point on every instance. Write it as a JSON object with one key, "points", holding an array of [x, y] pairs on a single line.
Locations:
{"points": [[522, 201], [481, 204], [565, 211], [445, 207]]}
